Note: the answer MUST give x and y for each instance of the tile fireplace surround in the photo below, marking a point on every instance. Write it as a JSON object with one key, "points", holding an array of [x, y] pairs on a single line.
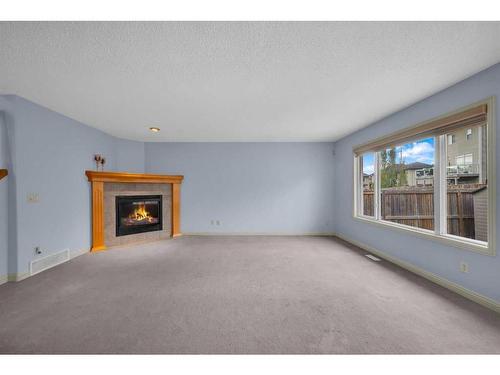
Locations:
{"points": [[106, 186], [112, 190]]}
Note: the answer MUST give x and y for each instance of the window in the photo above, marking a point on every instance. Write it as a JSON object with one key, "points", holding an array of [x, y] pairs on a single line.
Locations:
{"points": [[430, 181], [367, 176], [468, 159], [468, 134], [466, 192], [464, 159], [404, 198]]}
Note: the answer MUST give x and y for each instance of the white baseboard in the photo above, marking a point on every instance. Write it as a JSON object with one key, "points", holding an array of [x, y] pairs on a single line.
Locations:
{"points": [[464, 292], [16, 277], [77, 253], [321, 234]]}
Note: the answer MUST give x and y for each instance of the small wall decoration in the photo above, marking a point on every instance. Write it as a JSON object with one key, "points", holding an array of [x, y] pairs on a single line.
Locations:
{"points": [[99, 161]]}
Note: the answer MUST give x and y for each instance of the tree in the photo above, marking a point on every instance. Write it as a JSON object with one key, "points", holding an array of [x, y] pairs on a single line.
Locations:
{"points": [[392, 174]]}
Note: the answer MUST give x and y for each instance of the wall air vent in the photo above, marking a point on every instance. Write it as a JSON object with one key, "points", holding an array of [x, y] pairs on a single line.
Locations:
{"points": [[49, 261]]}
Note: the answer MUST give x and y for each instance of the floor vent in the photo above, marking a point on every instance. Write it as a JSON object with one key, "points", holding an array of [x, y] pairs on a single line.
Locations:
{"points": [[372, 257], [47, 262]]}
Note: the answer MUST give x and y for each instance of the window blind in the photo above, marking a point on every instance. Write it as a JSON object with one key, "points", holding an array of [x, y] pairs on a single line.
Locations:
{"points": [[470, 117]]}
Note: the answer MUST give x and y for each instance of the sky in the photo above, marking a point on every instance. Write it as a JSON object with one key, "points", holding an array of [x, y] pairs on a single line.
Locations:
{"points": [[419, 151]]}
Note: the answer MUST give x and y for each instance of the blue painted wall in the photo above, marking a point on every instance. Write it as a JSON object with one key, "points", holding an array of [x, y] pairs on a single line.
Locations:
{"points": [[248, 187], [50, 154], [251, 187], [442, 260], [289, 188]]}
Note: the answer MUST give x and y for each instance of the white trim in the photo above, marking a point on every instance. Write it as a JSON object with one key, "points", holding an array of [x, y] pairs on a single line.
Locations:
{"points": [[16, 277], [438, 157], [440, 189], [464, 292], [77, 253], [455, 241], [355, 204], [358, 209], [356, 182], [491, 174], [291, 234], [376, 186]]}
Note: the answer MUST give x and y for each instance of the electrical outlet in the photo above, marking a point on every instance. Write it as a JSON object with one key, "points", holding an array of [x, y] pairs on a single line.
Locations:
{"points": [[33, 198], [217, 222], [464, 267], [38, 251], [212, 222]]}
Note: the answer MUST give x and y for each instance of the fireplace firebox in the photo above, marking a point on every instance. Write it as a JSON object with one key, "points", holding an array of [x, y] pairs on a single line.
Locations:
{"points": [[138, 214]]}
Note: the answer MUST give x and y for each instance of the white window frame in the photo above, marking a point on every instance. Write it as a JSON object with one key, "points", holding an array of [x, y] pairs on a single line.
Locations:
{"points": [[358, 182], [440, 192]]}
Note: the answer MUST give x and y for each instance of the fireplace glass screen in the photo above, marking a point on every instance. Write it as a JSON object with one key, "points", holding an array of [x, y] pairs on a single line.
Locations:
{"points": [[138, 214]]}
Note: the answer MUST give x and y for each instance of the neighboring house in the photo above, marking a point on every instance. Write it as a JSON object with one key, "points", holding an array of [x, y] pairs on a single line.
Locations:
{"points": [[419, 174], [480, 198], [466, 148], [367, 181]]}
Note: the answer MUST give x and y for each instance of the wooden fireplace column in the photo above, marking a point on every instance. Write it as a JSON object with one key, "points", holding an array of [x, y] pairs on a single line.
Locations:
{"points": [[99, 178]]}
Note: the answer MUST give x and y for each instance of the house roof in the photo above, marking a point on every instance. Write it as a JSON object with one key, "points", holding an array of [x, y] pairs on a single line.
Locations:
{"points": [[417, 165]]}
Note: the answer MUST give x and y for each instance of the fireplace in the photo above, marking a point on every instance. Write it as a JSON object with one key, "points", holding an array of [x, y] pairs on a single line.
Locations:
{"points": [[138, 214]]}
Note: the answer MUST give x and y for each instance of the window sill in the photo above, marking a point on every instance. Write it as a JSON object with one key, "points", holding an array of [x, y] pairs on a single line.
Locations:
{"points": [[462, 243]]}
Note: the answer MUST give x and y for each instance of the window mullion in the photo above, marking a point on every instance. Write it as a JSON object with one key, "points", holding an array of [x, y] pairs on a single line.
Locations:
{"points": [[359, 178], [376, 187], [358, 188], [440, 196], [437, 184]]}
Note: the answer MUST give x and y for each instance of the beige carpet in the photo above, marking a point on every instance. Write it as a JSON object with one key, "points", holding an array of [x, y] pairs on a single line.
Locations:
{"points": [[239, 295]]}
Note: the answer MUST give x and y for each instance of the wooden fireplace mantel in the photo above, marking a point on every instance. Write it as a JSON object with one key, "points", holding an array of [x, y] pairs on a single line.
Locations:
{"points": [[99, 178], [3, 173], [133, 178]]}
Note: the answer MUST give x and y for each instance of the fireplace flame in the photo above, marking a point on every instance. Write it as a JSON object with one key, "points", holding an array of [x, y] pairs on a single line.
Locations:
{"points": [[140, 214]]}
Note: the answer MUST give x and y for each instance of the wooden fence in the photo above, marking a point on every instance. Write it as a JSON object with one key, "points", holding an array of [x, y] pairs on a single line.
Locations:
{"points": [[368, 203], [415, 207]]}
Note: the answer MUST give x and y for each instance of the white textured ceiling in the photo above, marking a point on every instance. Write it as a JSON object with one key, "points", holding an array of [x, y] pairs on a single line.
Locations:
{"points": [[238, 81]]}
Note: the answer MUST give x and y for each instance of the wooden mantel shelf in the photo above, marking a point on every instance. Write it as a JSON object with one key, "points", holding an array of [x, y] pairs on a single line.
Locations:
{"points": [[99, 178], [3, 173], [133, 177]]}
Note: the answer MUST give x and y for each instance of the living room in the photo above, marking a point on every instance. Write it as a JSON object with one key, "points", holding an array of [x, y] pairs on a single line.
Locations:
{"points": [[252, 187]]}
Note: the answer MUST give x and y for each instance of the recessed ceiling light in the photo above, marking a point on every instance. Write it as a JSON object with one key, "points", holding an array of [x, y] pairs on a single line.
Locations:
{"points": [[154, 129]]}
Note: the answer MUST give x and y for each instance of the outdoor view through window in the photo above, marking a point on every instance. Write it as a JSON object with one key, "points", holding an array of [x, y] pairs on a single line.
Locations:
{"points": [[406, 184], [368, 168], [466, 183], [433, 177]]}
